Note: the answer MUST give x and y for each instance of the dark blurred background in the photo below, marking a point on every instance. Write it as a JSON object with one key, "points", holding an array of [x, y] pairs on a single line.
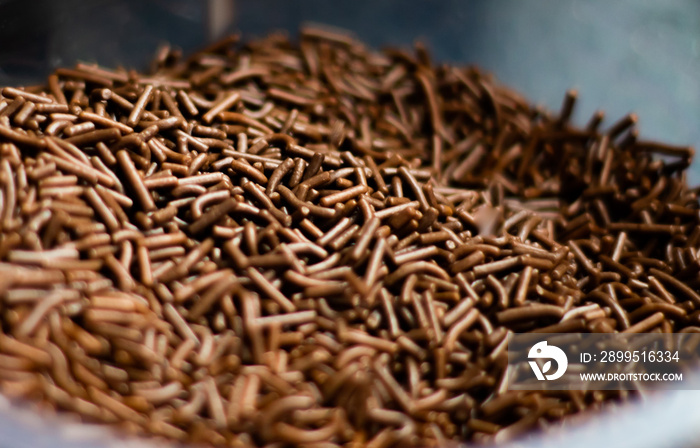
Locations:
{"points": [[622, 55]]}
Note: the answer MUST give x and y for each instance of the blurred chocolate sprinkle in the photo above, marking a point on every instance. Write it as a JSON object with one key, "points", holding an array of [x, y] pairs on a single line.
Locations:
{"points": [[280, 244]]}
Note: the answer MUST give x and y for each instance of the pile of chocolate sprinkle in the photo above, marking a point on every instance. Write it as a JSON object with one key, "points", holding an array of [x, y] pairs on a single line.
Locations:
{"points": [[281, 244]]}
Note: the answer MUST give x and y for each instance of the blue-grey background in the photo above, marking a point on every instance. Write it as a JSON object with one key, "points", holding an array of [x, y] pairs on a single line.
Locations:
{"points": [[622, 56]]}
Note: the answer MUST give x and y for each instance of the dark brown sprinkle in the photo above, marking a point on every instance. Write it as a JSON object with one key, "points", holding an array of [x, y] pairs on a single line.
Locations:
{"points": [[280, 245]]}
